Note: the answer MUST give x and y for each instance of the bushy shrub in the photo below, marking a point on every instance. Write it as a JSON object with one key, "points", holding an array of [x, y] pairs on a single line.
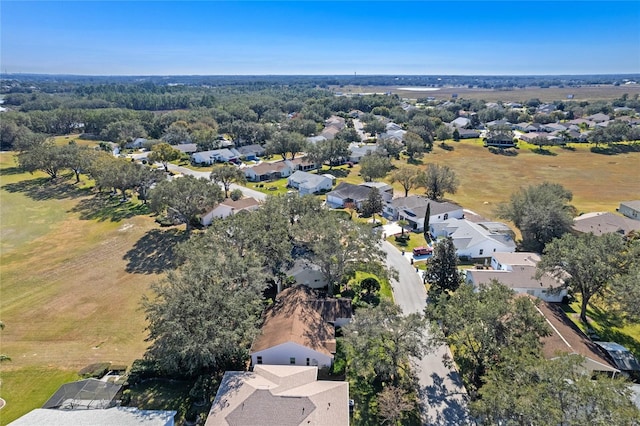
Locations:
{"points": [[236, 194], [96, 370]]}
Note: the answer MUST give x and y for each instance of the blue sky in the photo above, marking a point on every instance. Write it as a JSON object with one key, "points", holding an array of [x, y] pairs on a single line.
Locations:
{"points": [[306, 37]]}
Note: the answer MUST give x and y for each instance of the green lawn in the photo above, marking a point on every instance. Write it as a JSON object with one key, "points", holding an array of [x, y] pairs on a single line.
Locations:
{"points": [[162, 395], [415, 240], [608, 325], [276, 187], [28, 388], [74, 268]]}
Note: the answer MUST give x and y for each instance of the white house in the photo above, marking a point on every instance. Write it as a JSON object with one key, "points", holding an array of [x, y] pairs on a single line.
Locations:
{"points": [[630, 209], [217, 155], [518, 272], [414, 208], [386, 190], [358, 151], [229, 207], [475, 240], [121, 416], [461, 122], [309, 183], [307, 273], [136, 143], [299, 329]]}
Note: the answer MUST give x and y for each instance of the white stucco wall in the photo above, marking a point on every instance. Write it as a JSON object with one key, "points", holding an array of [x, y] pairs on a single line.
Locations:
{"points": [[281, 355], [484, 249]]}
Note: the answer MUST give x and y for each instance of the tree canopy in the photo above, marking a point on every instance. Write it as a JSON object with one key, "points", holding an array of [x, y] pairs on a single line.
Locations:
{"points": [[226, 174], [185, 198], [437, 180], [586, 263], [442, 269], [206, 314], [374, 166], [482, 324], [541, 213]]}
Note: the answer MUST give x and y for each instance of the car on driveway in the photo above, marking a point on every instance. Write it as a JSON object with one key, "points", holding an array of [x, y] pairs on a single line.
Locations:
{"points": [[422, 251]]}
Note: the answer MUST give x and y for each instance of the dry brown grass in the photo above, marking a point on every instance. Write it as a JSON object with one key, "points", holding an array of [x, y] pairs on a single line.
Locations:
{"points": [[598, 182], [67, 298], [584, 93]]}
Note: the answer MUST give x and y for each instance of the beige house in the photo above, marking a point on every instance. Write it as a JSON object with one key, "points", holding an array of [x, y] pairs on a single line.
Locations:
{"points": [[278, 395]]}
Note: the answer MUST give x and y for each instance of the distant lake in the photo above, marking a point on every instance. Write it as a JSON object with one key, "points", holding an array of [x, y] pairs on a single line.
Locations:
{"points": [[419, 89]]}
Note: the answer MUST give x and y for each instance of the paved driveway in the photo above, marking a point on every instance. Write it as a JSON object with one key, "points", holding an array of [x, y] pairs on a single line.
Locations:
{"points": [[442, 393]]}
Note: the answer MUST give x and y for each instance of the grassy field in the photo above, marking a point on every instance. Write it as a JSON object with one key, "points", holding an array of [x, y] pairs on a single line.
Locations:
{"points": [[584, 93], [73, 269], [598, 181], [609, 326], [29, 388]]}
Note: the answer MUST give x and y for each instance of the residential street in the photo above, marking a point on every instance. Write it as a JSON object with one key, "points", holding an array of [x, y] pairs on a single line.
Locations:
{"points": [[248, 192], [443, 396]]}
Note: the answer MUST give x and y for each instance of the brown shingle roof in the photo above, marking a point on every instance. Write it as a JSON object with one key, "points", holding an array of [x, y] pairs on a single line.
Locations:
{"points": [[301, 317], [567, 338]]}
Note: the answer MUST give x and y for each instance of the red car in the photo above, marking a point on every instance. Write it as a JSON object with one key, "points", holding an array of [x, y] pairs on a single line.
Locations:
{"points": [[422, 251]]}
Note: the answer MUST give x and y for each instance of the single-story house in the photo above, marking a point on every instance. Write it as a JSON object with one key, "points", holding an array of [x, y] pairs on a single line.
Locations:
{"points": [[268, 171], [517, 271], [598, 118], [475, 240], [136, 143], [186, 148], [329, 132], [303, 164], [525, 127], [277, 395], [306, 273], [393, 135], [567, 338], [347, 194], [553, 127], [599, 223], [468, 133], [309, 183], [630, 209], [229, 207], [316, 139], [295, 330], [461, 122], [222, 155], [414, 208], [358, 151], [386, 190], [121, 416], [251, 152]]}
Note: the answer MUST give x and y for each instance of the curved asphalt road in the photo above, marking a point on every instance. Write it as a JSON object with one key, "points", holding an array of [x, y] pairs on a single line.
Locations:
{"points": [[442, 393], [443, 397]]}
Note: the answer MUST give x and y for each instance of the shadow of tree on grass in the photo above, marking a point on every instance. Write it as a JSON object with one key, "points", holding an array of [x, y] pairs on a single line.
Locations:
{"points": [[43, 188], [154, 252], [104, 207], [616, 148], [7, 171]]}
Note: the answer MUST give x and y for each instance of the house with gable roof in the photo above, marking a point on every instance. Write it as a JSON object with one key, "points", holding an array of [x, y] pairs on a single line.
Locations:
{"points": [[309, 183], [279, 395], [414, 208], [475, 240], [299, 329], [518, 272]]}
